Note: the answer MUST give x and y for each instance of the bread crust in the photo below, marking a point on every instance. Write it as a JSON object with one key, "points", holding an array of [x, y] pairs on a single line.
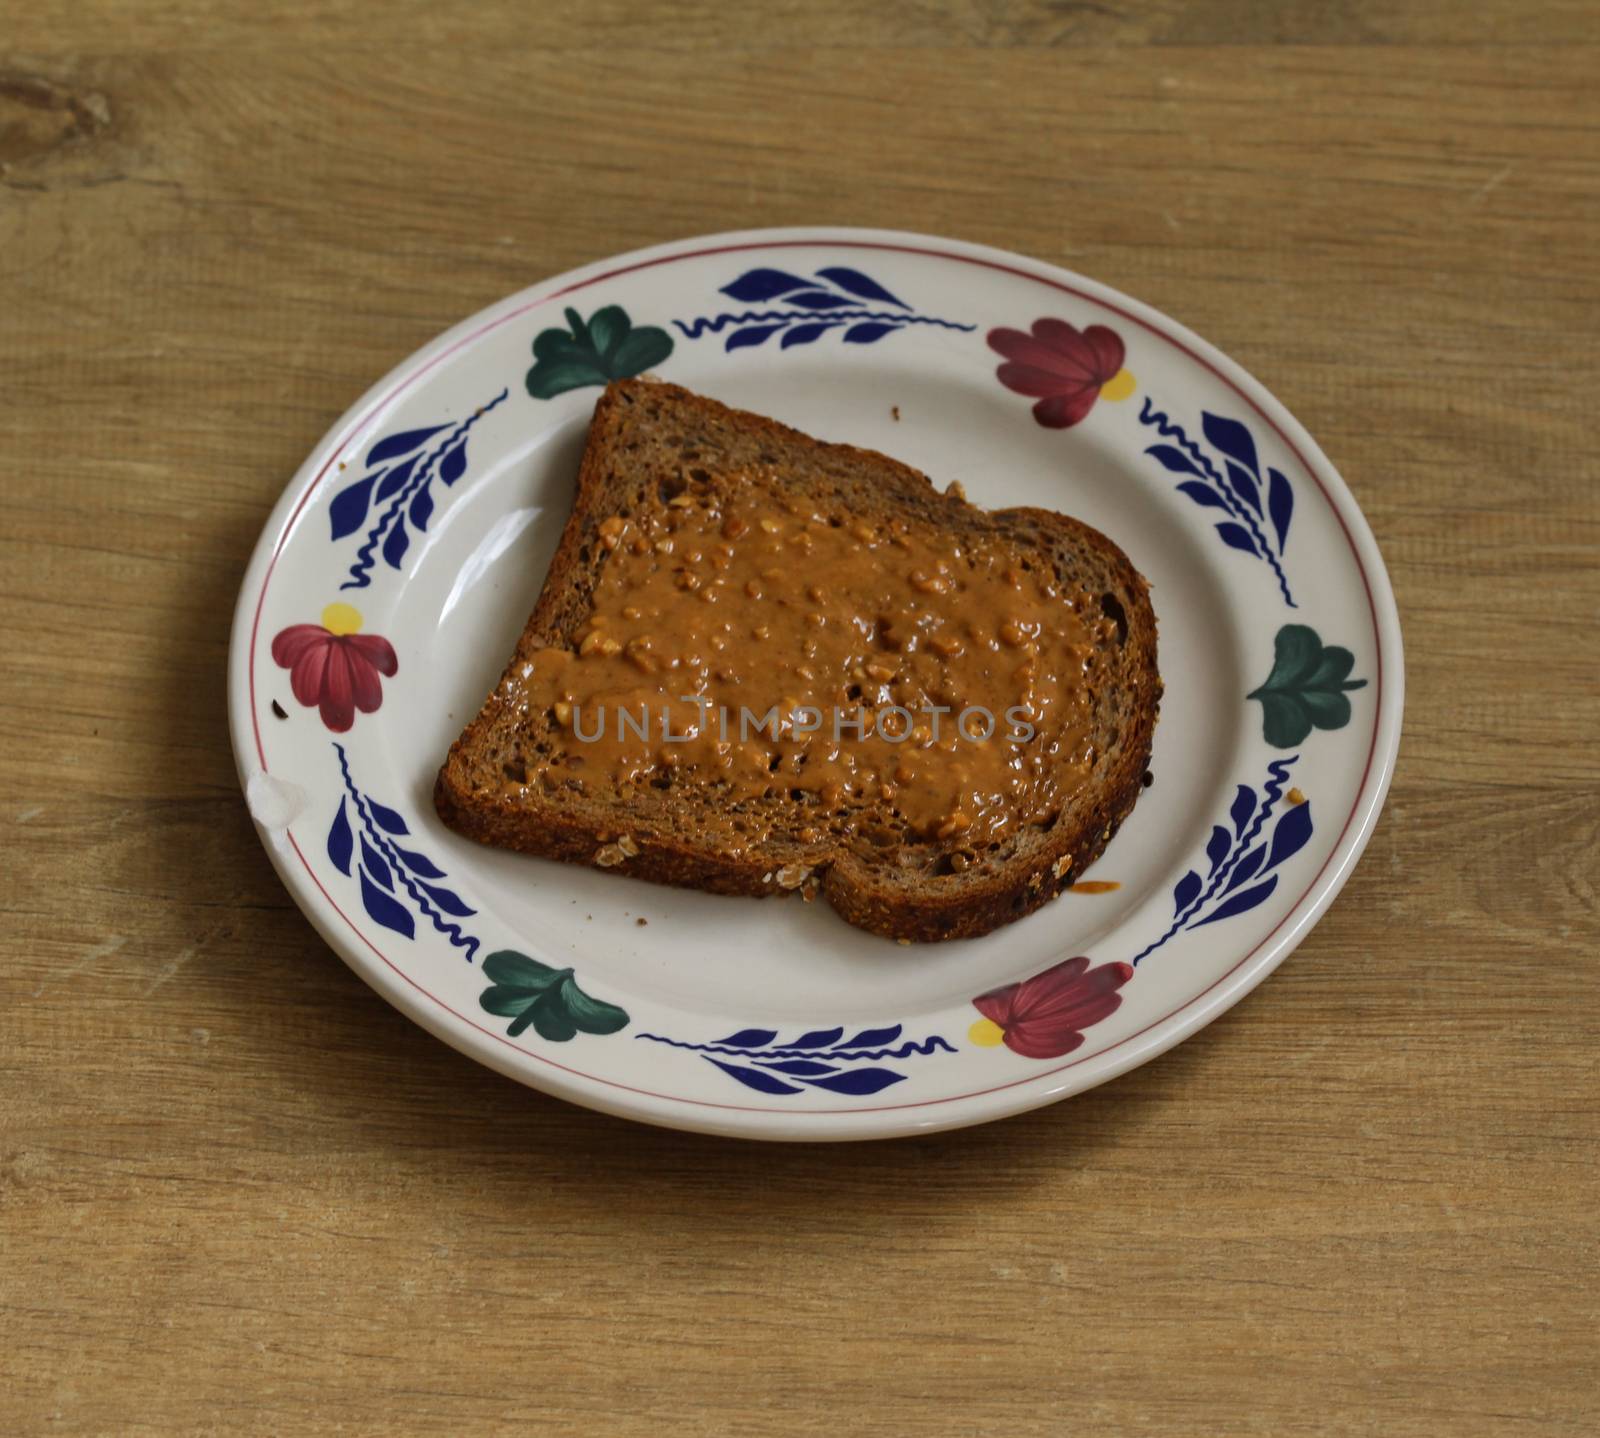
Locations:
{"points": [[873, 896]]}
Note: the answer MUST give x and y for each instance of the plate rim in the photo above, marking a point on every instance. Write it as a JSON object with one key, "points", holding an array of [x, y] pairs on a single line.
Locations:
{"points": [[861, 1121]]}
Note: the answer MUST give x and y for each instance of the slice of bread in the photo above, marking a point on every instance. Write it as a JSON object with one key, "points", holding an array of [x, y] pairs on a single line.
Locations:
{"points": [[657, 453]]}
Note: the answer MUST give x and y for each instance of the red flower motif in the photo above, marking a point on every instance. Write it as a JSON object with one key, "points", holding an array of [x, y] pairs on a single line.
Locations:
{"points": [[335, 668], [1064, 368], [1044, 1017]]}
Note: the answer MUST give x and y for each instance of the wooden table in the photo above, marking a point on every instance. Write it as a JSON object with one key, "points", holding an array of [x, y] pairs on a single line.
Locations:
{"points": [[240, 1193]]}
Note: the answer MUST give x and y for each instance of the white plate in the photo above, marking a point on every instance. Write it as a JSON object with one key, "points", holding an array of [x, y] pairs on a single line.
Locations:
{"points": [[431, 510]]}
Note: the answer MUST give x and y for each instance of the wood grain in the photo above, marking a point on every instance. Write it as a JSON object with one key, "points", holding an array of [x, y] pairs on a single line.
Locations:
{"points": [[240, 1194]]}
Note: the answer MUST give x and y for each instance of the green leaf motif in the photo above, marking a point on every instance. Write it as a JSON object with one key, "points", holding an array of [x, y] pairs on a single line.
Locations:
{"points": [[605, 348], [1306, 689], [549, 1000]]}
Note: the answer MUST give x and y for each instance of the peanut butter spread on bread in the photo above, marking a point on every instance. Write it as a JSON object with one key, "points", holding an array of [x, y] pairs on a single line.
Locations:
{"points": [[792, 648]]}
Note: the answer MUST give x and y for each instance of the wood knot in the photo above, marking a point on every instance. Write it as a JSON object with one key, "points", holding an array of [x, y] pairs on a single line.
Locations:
{"points": [[39, 118]]}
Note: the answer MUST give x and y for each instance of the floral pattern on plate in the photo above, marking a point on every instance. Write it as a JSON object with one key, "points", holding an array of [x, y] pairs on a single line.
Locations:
{"points": [[335, 668]]}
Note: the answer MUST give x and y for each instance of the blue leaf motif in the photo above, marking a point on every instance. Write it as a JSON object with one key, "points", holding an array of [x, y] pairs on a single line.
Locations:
{"points": [[1239, 481], [1242, 854], [395, 546], [1246, 868], [341, 843], [817, 1039], [403, 499], [385, 871], [1244, 486], [872, 1038], [748, 1039], [1232, 438], [1241, 903], [1217, 846], [1280, 505], [403, 443], [349, 508], [421, 510], [805, 334], [817, 1059], [865, 334], [753, 286], [754, 1078], [386, 818], [858, 1083], [395, 479], [801, 1068], [1173, 458], [1236, 536], [384, 910], [375, 865], [1203, 494], [1243, 806], [448, 901], [1291, 834], [748, 338], [858, 284], [419, 864]]}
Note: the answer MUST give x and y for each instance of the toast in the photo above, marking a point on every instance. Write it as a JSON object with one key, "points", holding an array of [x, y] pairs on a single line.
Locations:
{"points": [[714, 555]]}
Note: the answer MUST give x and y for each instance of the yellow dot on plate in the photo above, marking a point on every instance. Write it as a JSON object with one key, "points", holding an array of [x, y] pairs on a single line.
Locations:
{"points": [[986, 1033], [341, 619], [1119, 386]]}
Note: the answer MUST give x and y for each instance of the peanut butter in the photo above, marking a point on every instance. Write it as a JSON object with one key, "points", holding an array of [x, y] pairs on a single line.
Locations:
{"points": [[777, 649]]}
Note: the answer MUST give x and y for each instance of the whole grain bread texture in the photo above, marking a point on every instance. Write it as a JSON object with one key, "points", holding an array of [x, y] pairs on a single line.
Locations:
{"points": [[649, 442]]}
